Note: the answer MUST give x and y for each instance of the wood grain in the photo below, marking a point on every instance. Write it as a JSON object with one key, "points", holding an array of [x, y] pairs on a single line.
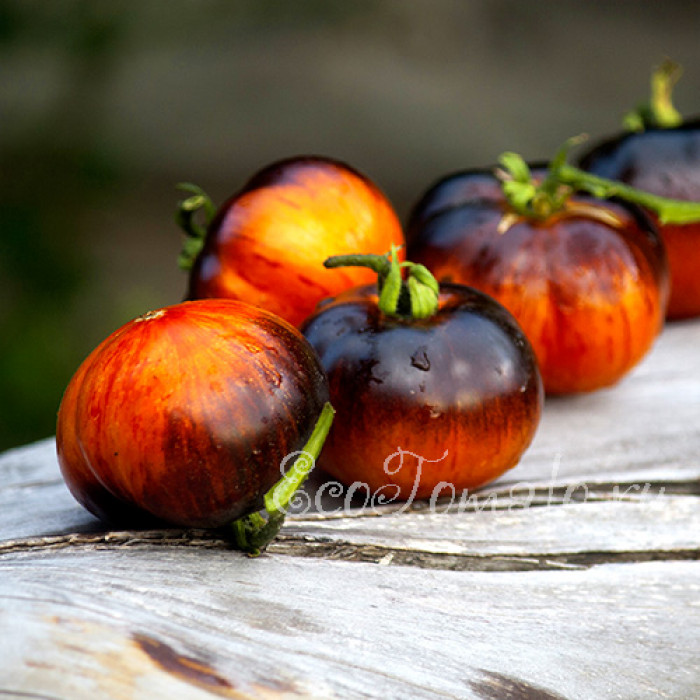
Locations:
{"points": [[122, 621]]}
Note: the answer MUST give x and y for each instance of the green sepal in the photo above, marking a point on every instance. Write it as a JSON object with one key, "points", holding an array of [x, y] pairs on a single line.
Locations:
{"points": [[515, 165], [423, 275], [423, 299], [185, 217]]}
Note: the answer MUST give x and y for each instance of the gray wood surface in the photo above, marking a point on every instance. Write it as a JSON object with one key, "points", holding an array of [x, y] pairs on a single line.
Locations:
{"points": [[575, 575]]}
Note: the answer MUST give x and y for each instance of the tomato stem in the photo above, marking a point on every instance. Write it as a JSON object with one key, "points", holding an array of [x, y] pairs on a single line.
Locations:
{"points": [[528, 199], [539, 201], [187, 210], [253, 533], [659, 111], [668, 211], [414, 297]]}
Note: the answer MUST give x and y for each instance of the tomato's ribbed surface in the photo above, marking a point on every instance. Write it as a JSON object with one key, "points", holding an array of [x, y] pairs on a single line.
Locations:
{"points": [[590, 294]]}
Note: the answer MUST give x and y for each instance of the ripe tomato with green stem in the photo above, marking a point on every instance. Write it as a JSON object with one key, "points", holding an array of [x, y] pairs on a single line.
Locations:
{"points": [[659, 152], [586, 277], [185, 414], [433, 385], [290, 216]]}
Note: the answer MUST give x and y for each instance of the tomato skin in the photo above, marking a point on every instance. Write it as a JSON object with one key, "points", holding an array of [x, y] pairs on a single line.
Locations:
{"points": [[590, 295], [185, 414], [267, 243], [457, 189], [665, 162], [463, 382]]}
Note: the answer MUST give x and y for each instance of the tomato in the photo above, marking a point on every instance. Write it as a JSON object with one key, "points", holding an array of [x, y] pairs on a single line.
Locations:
{"points": [[185, 414], [267, 243], [659, 152], [587, 282], [453, 396], [664, 162]]}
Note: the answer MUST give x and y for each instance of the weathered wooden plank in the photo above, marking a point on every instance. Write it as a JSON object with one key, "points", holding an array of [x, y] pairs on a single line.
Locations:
{"points": [[35, 502], [34, 499], [649, 422], [662, 524], [566, 578], [146, 622]]}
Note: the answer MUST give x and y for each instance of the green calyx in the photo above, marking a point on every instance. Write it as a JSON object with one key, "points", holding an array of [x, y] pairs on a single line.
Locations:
{"points": [[406, 290], [659, 111], [538, 201], [253, 532], [528, 199], [197, 205]]}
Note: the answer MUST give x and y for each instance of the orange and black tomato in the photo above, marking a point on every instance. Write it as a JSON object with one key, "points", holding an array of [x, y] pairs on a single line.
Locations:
{"points": [[267, 243], [436, 388], [185, 414], [586, 278]]}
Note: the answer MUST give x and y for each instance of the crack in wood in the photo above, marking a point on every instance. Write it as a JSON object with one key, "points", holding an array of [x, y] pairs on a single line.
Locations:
{"points": [[383, 555], [306, 546], [188, 538]]}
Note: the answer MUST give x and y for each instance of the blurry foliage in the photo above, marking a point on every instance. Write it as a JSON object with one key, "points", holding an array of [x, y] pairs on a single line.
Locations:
{"points": [[55, 169], [50, 169]]}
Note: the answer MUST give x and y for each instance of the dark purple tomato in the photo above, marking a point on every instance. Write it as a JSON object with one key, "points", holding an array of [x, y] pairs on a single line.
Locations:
{"points": [[453, 398], [587, 284]]}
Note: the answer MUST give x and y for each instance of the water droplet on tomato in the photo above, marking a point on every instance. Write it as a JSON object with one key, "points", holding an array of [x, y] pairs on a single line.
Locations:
{"points": [[420, 360], [274, 377]]}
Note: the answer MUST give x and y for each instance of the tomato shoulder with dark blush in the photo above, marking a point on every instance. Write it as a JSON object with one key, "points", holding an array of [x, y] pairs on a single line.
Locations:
{"points": [[665, 162], [458, 188]]}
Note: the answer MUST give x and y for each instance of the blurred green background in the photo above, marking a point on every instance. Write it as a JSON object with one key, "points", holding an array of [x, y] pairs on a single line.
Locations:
{"points": [[106, 105]]}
